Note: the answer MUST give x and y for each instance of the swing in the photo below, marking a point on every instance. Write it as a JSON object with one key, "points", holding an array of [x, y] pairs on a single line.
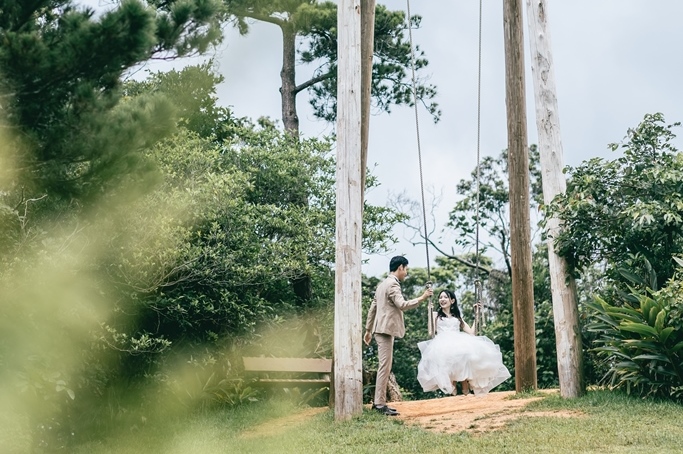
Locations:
{"points": [[478, 315]]}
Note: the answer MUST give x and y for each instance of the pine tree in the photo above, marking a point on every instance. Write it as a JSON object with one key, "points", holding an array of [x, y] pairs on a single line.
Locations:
{"points": [[309, 27], [61, 67]]}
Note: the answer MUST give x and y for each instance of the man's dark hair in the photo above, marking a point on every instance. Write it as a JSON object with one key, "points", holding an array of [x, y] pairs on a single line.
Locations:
{"points": [[396, 262]]}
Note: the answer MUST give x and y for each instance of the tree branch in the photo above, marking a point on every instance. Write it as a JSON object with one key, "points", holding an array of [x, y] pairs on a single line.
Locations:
{"points": [[313, 81], [458, 259], [265, 18]]}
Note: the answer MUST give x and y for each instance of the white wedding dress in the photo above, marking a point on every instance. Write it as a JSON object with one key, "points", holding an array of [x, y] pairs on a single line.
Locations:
{"points": [[453, 356]]}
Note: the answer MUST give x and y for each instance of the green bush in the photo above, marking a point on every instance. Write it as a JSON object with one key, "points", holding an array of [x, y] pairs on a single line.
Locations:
{"points": [[640, 339]]}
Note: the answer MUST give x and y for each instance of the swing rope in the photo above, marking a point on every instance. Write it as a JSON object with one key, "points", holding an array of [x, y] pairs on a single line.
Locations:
{"points": [[478, 316], [477, 282], [430, 307]]}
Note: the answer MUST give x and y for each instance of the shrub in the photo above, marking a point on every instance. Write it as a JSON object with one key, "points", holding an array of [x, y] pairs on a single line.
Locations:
{"points": [[640, 339]]}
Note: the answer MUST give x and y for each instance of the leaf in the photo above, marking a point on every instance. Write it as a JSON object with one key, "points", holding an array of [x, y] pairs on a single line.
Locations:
{"points": [[624, 310], [659, 321], [640, 343], [652, 311], [678, 260], [655, 357], [638, 328], [665, 333], [606, 319], [627, 366], [647, 305], [632, 276]]}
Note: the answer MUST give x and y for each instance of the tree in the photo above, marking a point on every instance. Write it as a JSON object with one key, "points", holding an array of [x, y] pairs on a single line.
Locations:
{"points": [[61, 68], [104, 306], [624, 218], [192, 91], [488, 191], [315, 22], [628, 207], [227, 227], [67, 140]]}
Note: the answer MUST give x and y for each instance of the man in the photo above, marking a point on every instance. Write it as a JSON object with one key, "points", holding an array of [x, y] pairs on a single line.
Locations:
{"points": [[385, 320]]}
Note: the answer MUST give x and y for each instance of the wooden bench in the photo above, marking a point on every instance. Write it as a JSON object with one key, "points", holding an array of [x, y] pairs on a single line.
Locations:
{"points": [[302, 373]]}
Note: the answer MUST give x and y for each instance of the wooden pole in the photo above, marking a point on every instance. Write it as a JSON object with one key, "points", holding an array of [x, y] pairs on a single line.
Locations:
{"points": [[563, 286], [348, 361], [367, 51], [520, 224]]}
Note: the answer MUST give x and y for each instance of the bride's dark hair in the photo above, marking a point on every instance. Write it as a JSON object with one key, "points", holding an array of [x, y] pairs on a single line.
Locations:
{"points": [[455, 312]]}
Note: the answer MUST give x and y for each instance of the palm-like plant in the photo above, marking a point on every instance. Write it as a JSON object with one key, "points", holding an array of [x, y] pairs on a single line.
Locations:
{"points": [[641, 339]]}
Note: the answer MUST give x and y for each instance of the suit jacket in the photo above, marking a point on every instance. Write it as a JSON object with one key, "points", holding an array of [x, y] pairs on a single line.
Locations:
{"points": [[386, 311]]}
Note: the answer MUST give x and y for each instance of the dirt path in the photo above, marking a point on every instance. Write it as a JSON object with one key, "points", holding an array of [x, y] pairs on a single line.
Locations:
{"points": [[472, 414], [445, 415]]}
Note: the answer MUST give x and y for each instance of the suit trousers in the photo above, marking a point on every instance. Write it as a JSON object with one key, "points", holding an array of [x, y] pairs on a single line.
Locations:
{"points": [[385, 355]]}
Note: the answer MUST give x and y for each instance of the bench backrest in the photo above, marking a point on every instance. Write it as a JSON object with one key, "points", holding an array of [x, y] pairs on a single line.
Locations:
{"points": [[263, 364]]}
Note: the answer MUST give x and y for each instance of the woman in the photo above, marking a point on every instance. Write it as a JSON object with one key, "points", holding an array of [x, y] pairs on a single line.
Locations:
{"points": [[455, 354]]}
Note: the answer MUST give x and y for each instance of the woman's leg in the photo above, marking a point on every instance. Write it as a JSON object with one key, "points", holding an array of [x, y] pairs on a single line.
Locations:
{"points": [[465, 387]]}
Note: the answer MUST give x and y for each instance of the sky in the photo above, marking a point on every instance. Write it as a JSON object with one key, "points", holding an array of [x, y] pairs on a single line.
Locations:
{"points": [[614, 62]]}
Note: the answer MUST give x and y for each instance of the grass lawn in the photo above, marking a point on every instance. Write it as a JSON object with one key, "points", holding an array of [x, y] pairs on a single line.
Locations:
{"points": [[612, 423]]}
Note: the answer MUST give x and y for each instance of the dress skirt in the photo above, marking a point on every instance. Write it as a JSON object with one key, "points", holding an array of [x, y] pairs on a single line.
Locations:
{"points": [[453, 356]]}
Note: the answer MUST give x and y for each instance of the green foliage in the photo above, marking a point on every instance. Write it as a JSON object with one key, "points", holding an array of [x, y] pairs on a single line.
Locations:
{"points": [[213, 249], [485, 204], [60, 78], [204, 379], [500, 327], [623, 217], [230, 392], [192, 91], [633, 205], [546, 345], [391, 84], [108, 301], [407, 354], [316, 23], [316, 397], [641, 340]]}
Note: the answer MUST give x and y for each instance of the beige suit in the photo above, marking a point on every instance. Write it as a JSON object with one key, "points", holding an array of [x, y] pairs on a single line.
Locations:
{"points": [[386, 312], [385, 320]]}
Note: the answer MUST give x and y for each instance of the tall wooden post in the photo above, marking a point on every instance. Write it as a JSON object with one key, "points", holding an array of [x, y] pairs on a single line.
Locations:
{"points": [[565, 305], [348, 361], [367, 51], [520, 228]]}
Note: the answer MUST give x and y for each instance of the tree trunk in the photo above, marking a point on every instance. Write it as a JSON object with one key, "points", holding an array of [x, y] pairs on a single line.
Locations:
{"points": [[394, 393], [367, 51], [290, 119], [520, 224], [393, 390], [565, 303], [348, 364], [303, 289], [301, 285]]}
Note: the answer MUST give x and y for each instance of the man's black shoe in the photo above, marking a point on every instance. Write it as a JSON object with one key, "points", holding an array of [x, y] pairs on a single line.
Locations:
{"points": [[375, 407], [388, 411]]}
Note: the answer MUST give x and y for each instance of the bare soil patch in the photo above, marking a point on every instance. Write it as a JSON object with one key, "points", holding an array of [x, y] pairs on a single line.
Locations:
{"points": [[473, 414]]}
